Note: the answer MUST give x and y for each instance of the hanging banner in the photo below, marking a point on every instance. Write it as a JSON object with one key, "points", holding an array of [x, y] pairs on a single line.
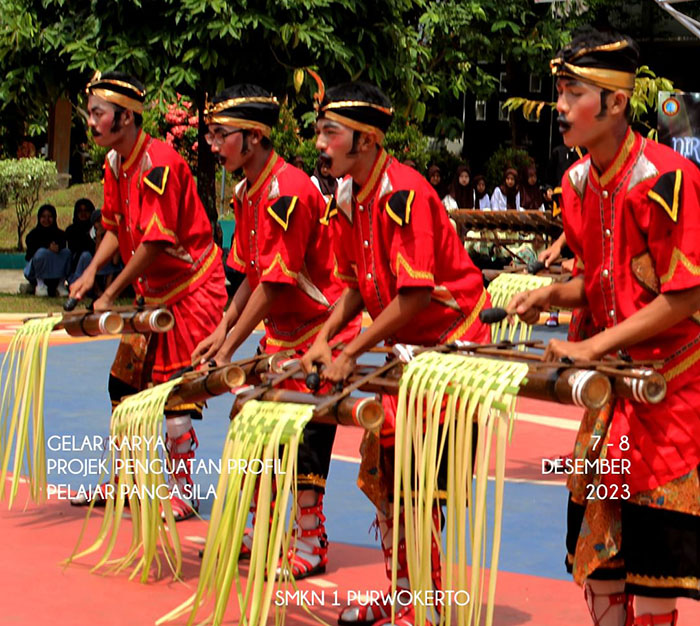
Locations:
{"points": [[679, 123]]}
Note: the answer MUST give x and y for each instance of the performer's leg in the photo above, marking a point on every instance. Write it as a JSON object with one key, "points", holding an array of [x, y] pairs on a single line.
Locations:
{"points": [[608, 603], [366, 614], [309, 553], [181, 444], [655, 611]]}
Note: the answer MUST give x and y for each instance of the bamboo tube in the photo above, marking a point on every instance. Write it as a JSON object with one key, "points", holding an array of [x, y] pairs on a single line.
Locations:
{"points": [[92, 324], [349, 411], [148, 321], [205, 385], [649, 390]]}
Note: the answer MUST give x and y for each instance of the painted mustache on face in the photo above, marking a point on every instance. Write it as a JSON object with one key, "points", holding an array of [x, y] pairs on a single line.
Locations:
{"points": [[94, 133], [563, 124]]}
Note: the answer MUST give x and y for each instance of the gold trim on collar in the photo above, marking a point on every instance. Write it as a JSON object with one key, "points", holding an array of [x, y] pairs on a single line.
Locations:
{"points": [[255, 187], [212, 109], [228, 120], [355, 125], [603, 78], [135, 151], [619, 161], [371, 181], [117, 98]]}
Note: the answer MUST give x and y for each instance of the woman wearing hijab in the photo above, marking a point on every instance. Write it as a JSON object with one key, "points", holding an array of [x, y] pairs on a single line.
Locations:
{"points": [[322, 178], [47, 255], [531, 198], [435, 180], [78, 234], [481, 198], [461, 192], [506, 196]]}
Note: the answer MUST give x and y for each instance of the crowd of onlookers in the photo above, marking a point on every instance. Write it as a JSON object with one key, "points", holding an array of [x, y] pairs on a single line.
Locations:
{"points": [[519, 190], [56, 258]]}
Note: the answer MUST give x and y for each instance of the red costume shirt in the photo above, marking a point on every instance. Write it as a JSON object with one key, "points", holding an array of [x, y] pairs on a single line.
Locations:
{"points": [[280, 238], [635, 230], [151, 197], [394, 233]]}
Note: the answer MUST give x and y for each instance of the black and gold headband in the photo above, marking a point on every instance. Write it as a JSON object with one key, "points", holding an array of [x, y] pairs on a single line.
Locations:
{"points": [[598, 65], [359, 115], [116, 91], [249, 112]]}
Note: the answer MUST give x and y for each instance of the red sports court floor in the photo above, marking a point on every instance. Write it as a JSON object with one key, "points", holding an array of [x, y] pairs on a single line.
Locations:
{"points": [[532, 585]]}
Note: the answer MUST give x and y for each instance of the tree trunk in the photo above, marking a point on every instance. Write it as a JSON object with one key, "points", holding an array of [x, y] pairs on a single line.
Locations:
{"points": [[206, 164]]}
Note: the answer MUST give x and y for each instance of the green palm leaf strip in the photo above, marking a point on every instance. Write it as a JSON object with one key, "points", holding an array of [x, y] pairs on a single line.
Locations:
{"points": [[459, 391], [23, 373], [262, 430]]}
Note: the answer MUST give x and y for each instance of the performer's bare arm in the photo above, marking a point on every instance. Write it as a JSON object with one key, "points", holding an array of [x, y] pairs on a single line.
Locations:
{"points": [[401, 310], [145, 255], [660, 314], [529, 304], [552, 253], [348, 306], [258, 306], [208, 347], [108, 247]]}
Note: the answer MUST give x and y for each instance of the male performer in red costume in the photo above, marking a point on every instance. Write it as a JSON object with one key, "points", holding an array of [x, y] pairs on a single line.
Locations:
{"points": [[154, 217], [631, 217], [283, 246], [401, 259]]}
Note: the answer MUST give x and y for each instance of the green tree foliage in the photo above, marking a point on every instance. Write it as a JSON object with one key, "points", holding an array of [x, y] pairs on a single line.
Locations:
{"points": [[22, 181]]}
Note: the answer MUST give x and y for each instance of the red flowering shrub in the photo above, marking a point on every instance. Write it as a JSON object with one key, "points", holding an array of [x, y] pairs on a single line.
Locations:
{"points": [[176, 124]]}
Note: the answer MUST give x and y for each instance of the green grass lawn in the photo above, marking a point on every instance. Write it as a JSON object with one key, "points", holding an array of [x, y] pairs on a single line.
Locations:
{"points": [[11, 303], [62, 199]]}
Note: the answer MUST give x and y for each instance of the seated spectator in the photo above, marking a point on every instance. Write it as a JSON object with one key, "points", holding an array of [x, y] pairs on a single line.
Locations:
{"points": [[48, 259], [482, 200], [322, 178], [435, 179], [110, 270], [506, 196], [78, 234], [548, 198], [298, 161], [461, 192], [531, 198]]}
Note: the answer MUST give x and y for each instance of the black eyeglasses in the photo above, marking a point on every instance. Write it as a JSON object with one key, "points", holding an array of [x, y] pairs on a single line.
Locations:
{"points": [[219, 137]]}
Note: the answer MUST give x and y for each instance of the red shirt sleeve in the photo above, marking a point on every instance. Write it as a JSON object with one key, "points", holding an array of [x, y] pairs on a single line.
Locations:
{"points": [[110, 208], [237, 258], [285, 229], [160, 205], [344, 267], [670, 212], [408, 215]]}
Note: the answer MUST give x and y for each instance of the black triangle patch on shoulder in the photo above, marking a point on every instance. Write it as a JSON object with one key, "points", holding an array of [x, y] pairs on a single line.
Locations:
{"points": [[281, 210], [157, 178], [667, 193], [399, 205]]}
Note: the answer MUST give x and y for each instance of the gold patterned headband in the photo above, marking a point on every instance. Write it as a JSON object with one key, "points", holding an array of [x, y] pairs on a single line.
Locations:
{"points": [[603, 78], [355, 125], [212, 109], [95, 86], [228, 120]]}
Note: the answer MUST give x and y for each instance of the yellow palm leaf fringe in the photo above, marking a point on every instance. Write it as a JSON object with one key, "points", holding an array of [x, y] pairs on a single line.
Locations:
{"points": [[464, 390], [23, 372], [502, 289], [262, 430], [138, 420]]}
